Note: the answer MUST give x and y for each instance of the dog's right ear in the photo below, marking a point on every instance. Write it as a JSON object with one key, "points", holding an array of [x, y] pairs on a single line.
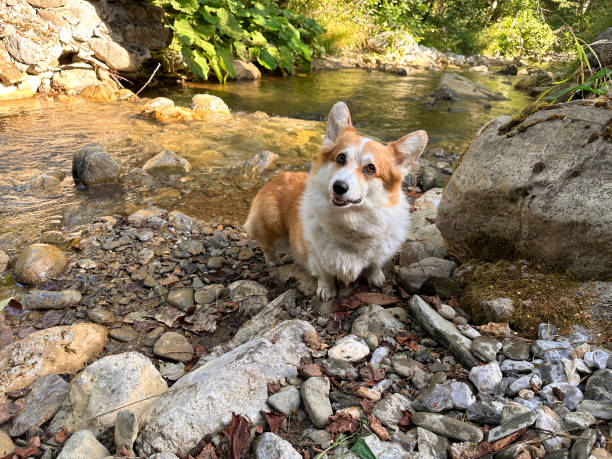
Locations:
{"points": [[339, 119]]}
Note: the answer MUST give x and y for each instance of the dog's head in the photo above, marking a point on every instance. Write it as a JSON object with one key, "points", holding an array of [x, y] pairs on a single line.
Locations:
{"points": [[353, 170]]}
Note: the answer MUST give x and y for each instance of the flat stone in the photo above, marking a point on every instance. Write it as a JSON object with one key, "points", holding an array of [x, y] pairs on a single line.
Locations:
{"points": [[270, 445], [552, 372], [516, 366], [167, 161], [461, 395], [468, 331], [515, 424], [380, 449], [431, 271], [44, 399], [234, 382], [391, 409], [569, 394], [486, 377], [511, 411], [551, 351], [39, 263], [549, 421], [435, 399], [109, 383], [377, 321], [485, 348], [486, 411], [250, 295], [286, 401], [315, 396], [172, 371], [181, 298], [599, 386], [209, 294], [41, 299], [124, 334], [148, 217], [524, 382], [584, 444], [83, 445], [432, 445], [579, 420], [405, 366], [173, 346], [447, 426], [350, 348], [339, 369], [597, 408], [55, 350], [113, 54]]}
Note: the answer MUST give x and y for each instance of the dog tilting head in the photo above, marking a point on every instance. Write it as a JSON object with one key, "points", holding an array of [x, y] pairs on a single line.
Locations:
{"points": [[349, 216]]}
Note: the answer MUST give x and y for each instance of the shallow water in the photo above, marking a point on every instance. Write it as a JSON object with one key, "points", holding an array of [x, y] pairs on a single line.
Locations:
{"points": [[37, 135]]}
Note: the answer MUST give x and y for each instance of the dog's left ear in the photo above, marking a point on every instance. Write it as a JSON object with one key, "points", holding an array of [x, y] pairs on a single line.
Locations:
{"points": [[408, 149], [339, 118]]}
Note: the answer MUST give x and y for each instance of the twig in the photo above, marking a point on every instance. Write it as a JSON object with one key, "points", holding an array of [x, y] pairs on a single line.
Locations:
{"points": [[150, 78]]}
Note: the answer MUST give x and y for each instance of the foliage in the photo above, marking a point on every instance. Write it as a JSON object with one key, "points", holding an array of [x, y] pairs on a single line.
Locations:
{"points": [[401, 15], [212, 32], [353, 441]]}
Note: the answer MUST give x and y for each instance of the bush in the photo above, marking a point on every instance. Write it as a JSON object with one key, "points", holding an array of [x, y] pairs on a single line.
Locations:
{"points": [[212, 32]]}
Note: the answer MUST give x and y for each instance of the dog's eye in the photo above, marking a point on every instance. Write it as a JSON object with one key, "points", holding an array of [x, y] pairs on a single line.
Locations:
{"points": [[370, 169], [341, 159]]}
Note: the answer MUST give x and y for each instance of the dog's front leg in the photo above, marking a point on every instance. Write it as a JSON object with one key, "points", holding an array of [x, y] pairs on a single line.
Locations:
{"points": [[375, 276], [326, 282]]}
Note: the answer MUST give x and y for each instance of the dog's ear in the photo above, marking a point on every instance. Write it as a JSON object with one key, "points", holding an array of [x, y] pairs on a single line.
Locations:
{"points": [[408, 149], [339, 119]]}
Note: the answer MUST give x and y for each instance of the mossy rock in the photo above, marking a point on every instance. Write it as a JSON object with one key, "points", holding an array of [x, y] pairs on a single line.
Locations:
{"points": [[538, 295]]}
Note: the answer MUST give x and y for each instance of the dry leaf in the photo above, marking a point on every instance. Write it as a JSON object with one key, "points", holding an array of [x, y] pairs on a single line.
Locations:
{"points": [[367, 405], [208, 452], [61, 436], [503, 442], [376, 298], [274, 420], [378, 429], [30, 449], [273, 388], [308, 370], [370, 373], [341, 423], [8, 411], [406, 420], [238, 435]]}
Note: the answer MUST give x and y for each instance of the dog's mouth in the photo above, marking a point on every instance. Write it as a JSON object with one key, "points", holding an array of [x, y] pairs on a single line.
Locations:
{"points": [[339, 202]]}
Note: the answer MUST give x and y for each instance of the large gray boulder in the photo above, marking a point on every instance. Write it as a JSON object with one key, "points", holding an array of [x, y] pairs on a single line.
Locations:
{"points": [[202, 401], [454, 86], [91, 165], [602, 47], [538, 188]]}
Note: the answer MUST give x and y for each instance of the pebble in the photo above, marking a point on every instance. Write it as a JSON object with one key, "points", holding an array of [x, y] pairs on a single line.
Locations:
{"points": [[485, 411], [570, 395], [461, 395], [434, 399], [596, 359], [512, 410], [321, 438], [447, 311], [599, 386], [447, 426], [579, 420], [126, 431], [173, 346], [485, 348], [405, 366], [315, 397], [83, 445], [286, 401], [468, 331], [515, 349], [524, 382], [181, 298], [270, 445], [351, 348], [391, 409], [513, 425], [41, 299], [486, 377], [172, 371], [124, 334], [378, 355], [215, 262], [516, 366], [431, 445], [339, 369]]}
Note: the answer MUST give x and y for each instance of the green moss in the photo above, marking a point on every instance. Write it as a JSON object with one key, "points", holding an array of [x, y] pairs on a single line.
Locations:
{"points": [[539, 295]]}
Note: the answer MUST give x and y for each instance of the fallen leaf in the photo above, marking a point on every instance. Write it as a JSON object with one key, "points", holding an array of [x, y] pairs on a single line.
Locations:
{"points": [[361, 449], [503, 442], [30, 449], [378, 429], [312, 340], [433, 301], [376, 298], [342, 422], [408, 340], [405, 421], [18, 393], [61, 436], [370, 373], [238, 435], [305, 454], [273, 388], [367, 405], [259, 429], [274, 420], [208, 452]]}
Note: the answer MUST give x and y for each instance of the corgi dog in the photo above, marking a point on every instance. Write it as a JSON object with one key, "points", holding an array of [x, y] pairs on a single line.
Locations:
{"points": [[348, 216]]}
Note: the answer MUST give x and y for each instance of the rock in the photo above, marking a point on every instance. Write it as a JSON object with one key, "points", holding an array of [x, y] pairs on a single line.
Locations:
{"points": [[315, 396], [432, 445], [602, 48], [181, 298], [579, 420], [210, 293], [182, 222], [522, 191], [271, 446], [23, 90], [216, 263], [391, 409], [211, 105], [550, 422], [380, 449], [152, 217], [258, 164], [599, 386], [92, 166], [164, 455], [552, 372], [41, 299], [124, 334], [569, 394], [6, 444], [551, 351], [597, 359], [39, 263], [44, 399], [461, 395], [234, 382], [109, 383], [116, 56], [250, 295], [159, 103], [339, 369], [173, 346], [446, 311], [513, 425], [171, 371], [167, 161], [468, 331], [266, 318], [246, 70], [524, 382], [83, 445], [442, 330], [436, 398], [9, 74], [405, 366], [513, 410], [126, 431], [430, 273], [101, 316], [584, 444], [28, 51], [286, 401], [485, 348], [4, 259], [597, 408], [55, 350], [515, 349], [547, 331], [486, 377], [498, 309], [321, 438], [454, 86], [72, 79], [516, 366], [447, 426], [107, 91], [486, 411], [377, 321], [479, 69], [531, 81], [351, 348]]}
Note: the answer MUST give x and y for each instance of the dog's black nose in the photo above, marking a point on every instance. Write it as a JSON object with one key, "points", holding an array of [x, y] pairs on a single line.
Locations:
{"points": [[340, 187]]}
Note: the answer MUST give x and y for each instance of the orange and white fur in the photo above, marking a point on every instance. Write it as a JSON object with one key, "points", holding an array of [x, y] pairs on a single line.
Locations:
{"points": [[348, 216]]}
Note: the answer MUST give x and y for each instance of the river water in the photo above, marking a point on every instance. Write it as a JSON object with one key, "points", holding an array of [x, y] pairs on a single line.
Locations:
{"points": [[37, 135]]}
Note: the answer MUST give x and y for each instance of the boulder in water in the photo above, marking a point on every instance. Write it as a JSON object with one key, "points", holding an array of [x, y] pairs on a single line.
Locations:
{"points": [[91, 165]]}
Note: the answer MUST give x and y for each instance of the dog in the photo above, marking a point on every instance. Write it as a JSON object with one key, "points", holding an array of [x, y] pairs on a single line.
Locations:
{"points": [[348, 216]]}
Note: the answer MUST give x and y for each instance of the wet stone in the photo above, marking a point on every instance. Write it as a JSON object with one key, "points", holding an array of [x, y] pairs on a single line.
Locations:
{"points": [[285, 401], [485, 348], [173, 346], [515, 349], [434, 399], [181, 298], [515, 424], [124, 334]]}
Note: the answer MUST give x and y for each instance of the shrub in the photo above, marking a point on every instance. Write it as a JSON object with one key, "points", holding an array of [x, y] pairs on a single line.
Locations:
{"points": [[212, 32]]}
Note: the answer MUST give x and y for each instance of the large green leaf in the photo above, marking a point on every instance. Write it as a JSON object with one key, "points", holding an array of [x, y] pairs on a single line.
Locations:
{"points": [[267, 57], [286, 59], [196, 62], [186, 6], [241, 50], [207, 47], [257, 38], [225, 59], [184, 31], [205, 30], [228, 24], [361, 449]]}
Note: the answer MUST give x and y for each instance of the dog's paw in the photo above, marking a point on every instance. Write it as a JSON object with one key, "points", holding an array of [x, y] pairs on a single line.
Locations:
{"points": [[326, 292], [376, 278]]}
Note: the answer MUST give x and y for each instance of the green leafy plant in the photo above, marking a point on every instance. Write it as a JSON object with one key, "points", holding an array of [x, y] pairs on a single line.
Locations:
{"points": [[354, 442], [212, 32], [583, 77]]}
